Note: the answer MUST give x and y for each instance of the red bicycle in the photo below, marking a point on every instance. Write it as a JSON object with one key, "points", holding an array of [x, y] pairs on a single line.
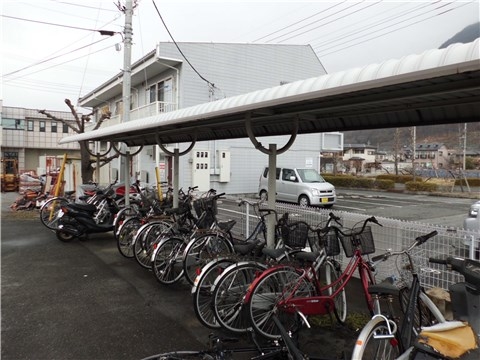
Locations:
{"points": [[289, 292]]}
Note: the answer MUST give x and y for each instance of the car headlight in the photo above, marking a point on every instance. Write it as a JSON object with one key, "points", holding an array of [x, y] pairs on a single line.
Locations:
{"points": [[315, 192]]}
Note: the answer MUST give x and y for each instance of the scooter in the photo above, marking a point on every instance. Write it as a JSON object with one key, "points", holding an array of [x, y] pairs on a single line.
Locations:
{"points": [[77, 220]]}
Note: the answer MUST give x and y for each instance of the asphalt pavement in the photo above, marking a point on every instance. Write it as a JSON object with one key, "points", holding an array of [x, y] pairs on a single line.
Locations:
{"points": [[83, 300]]}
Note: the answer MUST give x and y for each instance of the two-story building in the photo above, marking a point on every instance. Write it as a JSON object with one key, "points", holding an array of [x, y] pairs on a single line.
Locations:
{"points": [[32, 139], [432, 156], [359, 157], [166, 80]]}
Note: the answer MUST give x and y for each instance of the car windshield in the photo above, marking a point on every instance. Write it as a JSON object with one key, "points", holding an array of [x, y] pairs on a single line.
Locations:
{"points": [[310, 176]]}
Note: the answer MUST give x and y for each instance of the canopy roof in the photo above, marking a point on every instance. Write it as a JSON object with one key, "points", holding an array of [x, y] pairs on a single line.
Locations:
{"points": [[436, 87]]}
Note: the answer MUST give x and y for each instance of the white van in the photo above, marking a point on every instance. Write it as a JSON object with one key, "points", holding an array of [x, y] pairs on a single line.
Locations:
{"points": [[302, 186]]}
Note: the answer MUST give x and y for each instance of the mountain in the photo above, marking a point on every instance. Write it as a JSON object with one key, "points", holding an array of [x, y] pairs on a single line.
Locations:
{"points": [[450, 135]]}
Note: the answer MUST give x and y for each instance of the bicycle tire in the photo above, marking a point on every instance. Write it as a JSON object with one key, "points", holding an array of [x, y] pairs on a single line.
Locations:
{"points": [[147, 238], [121, 216], [332, 274], [203, 249], [125, 237], [369, 347], [229, 291], [202, 291], [426, 313], [182, 355], [266, 294], [49, 211], [167, 262]]}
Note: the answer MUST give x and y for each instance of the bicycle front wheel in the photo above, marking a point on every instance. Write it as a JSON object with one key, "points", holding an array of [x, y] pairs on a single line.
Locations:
{"points": [[229, 292], [147, 239], [50, 210], [377, 341], [202, 291], [201, 250], [274, 288], [332, 274]]}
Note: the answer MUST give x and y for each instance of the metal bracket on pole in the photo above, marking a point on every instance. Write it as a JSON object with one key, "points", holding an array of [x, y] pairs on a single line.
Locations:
{"points": [[176, 172], [258, 145]]}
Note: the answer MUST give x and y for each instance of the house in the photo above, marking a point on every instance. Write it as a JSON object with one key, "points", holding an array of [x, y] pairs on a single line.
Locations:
{"points": [[164, 81], [359, 157], [432, 156]]}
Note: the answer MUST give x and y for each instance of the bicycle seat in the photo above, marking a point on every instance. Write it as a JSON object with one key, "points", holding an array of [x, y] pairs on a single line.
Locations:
{"points": [[386, 287], [245, 248]]}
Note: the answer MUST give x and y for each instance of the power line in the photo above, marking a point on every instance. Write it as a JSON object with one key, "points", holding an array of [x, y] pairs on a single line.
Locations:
{"points": [[102, 32], [384, 28], [178, 47], [295, 23], [52, 58]]}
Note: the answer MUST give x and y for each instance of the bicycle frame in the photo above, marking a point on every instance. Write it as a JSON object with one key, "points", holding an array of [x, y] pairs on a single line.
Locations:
{"points": [[324, 304]]}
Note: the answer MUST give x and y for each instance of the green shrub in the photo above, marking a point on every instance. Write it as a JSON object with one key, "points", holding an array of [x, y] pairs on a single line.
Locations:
{"points": [[384, 184], [359, 182], [420, 186], [401, 179]]}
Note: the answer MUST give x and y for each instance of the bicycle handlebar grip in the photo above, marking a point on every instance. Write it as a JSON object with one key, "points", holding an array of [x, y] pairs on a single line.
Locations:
{"points": [[219, 195], [421, 239], [374, 220], [438, 261], [334, 217], [379, 257]]}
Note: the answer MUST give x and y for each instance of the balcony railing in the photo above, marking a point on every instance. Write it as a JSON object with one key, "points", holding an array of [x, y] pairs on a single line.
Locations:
{"points": [[154, 108]]}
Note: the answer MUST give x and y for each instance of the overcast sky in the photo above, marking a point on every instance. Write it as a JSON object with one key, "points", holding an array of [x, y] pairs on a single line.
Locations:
{"points": [[50, 49]]}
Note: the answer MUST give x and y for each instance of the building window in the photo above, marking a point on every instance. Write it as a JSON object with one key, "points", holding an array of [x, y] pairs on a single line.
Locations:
{"points": [[42, 126], [65, 128], [54, 127], [30, 125]]}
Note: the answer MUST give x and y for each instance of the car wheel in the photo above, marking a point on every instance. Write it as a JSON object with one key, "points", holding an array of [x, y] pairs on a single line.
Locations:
{"points": [[303, 201]]}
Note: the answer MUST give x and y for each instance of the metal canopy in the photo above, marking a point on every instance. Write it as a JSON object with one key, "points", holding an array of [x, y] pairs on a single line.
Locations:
{"points": [[436, 87]]}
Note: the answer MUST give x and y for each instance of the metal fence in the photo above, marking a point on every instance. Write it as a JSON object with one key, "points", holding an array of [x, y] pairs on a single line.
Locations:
{"points": [[392, 235]]}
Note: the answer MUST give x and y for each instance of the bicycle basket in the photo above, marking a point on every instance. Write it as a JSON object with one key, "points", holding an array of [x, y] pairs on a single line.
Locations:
{"points": [[330, 242], [295, 234], [362, 241], [208, 204]]}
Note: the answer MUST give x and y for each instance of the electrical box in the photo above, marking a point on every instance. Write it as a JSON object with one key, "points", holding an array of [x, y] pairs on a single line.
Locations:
{"points": [[224, 164], [201, 169]]}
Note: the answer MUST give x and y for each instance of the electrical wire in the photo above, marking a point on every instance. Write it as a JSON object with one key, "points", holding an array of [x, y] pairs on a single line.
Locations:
{"points": [[180, 50], [52, 58]]}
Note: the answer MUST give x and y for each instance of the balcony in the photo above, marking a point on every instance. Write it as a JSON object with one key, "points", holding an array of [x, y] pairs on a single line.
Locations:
{"points": [[151, 109]]}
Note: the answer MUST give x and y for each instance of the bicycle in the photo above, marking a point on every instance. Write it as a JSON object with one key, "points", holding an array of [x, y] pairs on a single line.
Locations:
{"points": [[290, 292], [230, 287], [168, 254], [388, 336], [247, 255]]}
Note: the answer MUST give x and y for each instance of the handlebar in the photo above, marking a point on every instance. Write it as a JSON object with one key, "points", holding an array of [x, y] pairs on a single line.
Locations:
{"points": [[469, 268], [419, 240]]}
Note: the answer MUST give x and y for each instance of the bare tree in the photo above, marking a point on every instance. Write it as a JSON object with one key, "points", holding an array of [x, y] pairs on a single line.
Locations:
{"points": [[87, 161]]}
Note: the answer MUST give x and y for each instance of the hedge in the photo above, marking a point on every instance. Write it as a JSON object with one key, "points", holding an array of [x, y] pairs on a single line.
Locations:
{"points": [[349, 181], [421, 186]]}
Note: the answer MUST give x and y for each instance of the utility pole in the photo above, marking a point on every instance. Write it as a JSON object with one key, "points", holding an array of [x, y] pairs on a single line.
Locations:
{"points": [[126, 83]]}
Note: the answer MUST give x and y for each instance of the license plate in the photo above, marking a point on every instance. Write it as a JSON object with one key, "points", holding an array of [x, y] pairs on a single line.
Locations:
{"points": [[324, 200]]}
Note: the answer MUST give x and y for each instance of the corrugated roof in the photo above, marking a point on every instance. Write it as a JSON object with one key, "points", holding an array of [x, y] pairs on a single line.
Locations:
{"points": [[435, 87]]}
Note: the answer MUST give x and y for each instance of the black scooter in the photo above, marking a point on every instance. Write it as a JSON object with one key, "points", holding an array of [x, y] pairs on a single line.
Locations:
{"points": [[77, 220]]}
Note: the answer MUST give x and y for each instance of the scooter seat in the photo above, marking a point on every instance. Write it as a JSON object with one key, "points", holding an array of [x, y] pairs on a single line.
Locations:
{"points": [[83, 207]]}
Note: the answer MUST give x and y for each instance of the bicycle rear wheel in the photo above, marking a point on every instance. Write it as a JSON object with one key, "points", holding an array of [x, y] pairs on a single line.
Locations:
{"points": [[126, 235], [203, 249], [269, 291], [377, 341], [167, 263], [49, 211], [229, 292], [202, 291], [182, 355], [146, 240]]}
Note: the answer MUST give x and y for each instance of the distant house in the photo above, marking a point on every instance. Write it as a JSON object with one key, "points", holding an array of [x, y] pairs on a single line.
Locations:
{"points": [[359, 157], [432, 156]]}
